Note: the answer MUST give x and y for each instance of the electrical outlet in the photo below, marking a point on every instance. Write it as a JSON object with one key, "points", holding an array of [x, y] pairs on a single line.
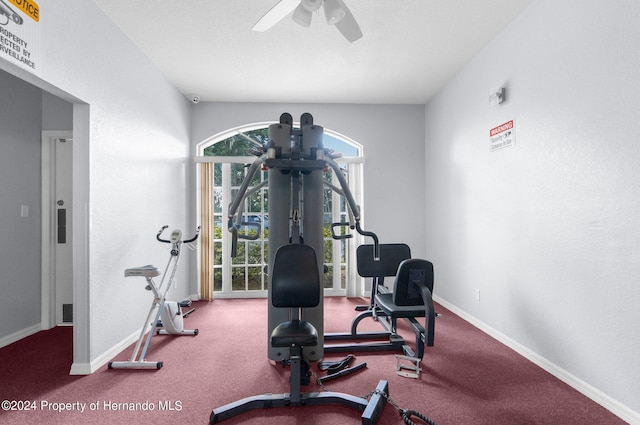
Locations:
{"points": [[477, 294]]}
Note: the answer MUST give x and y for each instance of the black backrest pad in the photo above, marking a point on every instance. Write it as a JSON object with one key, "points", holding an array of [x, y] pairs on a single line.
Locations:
{"points": [[391, 255], [412, 272], [295, 279]]}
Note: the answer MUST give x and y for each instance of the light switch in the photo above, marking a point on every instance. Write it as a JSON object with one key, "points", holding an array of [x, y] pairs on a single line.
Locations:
{"points": [[24, 210]]}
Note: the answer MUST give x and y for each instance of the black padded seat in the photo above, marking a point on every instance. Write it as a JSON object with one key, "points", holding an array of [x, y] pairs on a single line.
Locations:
{"points": [[391, 255], [295, 284], [411, 297], [294, 332], [386, 304], [412, 287], [295, 277]]}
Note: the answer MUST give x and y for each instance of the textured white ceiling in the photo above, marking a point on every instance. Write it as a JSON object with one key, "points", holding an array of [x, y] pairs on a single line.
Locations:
{"points": [[410, 48]]}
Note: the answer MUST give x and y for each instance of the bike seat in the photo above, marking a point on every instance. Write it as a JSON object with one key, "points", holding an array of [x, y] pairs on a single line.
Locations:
{"points": [[146, 271]]}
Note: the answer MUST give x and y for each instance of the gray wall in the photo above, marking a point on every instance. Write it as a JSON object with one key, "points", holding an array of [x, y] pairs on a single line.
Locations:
{"points": [[25, 111], [20, 132], [547, 229], [57, 114]]}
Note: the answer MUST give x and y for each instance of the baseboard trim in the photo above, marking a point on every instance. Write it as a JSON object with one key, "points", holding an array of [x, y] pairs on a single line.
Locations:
{"points": [[17, 336], [614, 406], [88, 368]]}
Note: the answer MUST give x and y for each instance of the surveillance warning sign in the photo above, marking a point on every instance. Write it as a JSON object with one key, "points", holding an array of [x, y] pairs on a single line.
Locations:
{"points": [[502, 136], [20, 32]]}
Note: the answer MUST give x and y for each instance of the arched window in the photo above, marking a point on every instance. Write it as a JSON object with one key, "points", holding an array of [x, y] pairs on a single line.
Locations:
{"points": [[223, 159]]}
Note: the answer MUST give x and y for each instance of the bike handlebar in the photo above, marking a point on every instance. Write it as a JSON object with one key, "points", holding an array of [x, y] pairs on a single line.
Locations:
{"points": [[160, 232], [168, 241], [194, 236]]}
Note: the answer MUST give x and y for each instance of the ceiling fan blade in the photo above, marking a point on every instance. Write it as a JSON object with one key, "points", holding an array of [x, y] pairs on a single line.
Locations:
{"points": [[348, 25], [275, 14]]}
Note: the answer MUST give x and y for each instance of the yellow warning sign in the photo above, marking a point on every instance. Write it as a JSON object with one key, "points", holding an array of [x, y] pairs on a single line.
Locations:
{"points": [[20, 36], [29, 7]]}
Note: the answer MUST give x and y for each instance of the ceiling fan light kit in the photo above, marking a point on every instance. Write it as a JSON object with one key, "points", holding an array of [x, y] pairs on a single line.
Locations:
{"points": [[336, 13]]}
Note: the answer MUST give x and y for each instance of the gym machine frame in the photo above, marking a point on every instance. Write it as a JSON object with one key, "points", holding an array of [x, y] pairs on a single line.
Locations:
{"points": [[385, 264], [295, 159]]}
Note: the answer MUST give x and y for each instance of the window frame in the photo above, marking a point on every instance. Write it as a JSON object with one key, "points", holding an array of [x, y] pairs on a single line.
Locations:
{"points": [[343, 283]]}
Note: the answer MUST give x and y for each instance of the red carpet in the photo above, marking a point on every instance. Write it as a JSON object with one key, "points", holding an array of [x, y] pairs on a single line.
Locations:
{"points": [[467, 378]]}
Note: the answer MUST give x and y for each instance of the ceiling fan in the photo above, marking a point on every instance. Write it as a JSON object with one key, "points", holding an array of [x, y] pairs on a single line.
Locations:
{"points": [[335, 11]]}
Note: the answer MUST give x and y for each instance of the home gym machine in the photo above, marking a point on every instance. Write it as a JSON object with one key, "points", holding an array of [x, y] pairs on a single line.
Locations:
{"points": [[295, 160], [410, 298], [165, 317]]}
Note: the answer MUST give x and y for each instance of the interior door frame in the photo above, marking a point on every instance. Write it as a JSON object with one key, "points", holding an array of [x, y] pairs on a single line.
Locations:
{"points": [[48, 241]]}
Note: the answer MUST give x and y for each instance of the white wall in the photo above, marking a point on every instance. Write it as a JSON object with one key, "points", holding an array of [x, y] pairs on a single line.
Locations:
{"points": [[547, 229], [393, 169], [131, 168]]}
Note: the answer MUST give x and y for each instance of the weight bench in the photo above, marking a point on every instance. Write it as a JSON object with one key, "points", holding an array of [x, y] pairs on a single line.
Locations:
{"points": [[411, 298]]}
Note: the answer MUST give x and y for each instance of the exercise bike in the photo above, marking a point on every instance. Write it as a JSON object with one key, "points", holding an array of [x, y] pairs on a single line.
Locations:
{"points": [[165, 317]]}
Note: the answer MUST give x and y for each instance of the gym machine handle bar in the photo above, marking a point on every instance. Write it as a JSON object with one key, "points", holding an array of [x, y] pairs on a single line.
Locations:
{"points": [[233, 207], [355, 209], [235, 234], [341, 224], [168, 241]]}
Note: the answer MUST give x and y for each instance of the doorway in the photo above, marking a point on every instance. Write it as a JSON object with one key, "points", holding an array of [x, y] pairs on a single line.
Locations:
{"points": [[57, 220]]}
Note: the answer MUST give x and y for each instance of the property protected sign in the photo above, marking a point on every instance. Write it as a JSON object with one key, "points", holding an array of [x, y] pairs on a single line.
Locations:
{"points": [[502, 136], [20, 32]]}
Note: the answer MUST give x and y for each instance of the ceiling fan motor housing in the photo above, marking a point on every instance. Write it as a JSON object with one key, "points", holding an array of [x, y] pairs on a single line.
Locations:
{"points": [[311, 5]]}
